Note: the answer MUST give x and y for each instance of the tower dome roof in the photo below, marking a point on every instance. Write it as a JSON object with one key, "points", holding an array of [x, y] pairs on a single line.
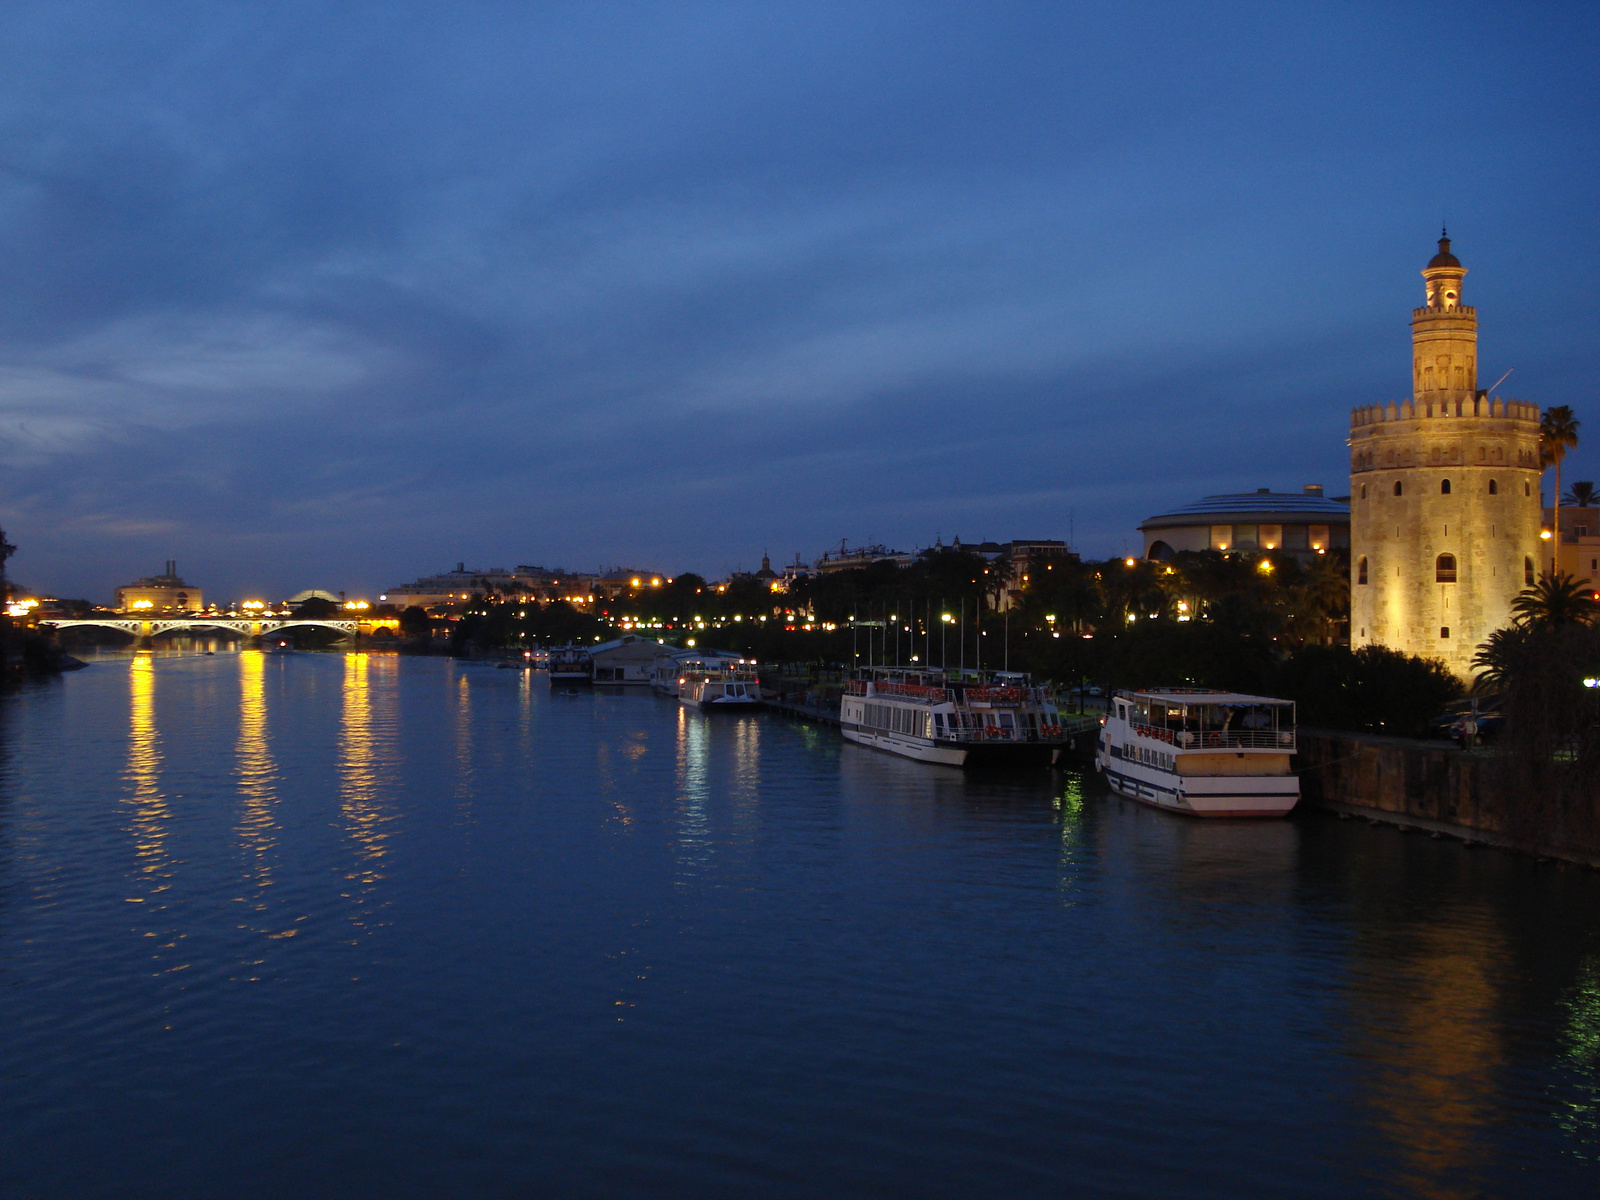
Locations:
{"points": [[1444, 258]]}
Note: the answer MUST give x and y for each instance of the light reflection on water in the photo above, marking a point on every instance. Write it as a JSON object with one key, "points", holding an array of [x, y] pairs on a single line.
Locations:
{"points": [[257, 774], [611, 945], [1579, 1112], [149, 809], [366, 747]]}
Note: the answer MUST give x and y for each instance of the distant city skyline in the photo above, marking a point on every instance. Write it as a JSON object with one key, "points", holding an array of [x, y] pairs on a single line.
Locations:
{"points": [[305, 296]]}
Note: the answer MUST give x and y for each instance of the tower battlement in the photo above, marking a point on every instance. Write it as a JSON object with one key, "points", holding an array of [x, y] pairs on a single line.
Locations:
{"points": [[1459, 310], [1434, 410]]}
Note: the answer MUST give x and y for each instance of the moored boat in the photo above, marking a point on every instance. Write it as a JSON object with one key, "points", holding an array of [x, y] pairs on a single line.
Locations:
{"points": [[724, 685], [1200, 752], [955, 718], [570, 665]]}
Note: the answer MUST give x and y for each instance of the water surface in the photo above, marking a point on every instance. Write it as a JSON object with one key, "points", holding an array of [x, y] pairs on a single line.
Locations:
{"points": [[361, 925]]}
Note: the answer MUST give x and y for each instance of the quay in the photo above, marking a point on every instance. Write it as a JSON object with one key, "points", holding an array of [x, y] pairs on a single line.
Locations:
{"points": [[1438, 789], [813, 698], [803, 712]]}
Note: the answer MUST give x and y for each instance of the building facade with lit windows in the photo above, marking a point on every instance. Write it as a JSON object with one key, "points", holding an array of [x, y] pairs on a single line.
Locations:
{"points": [[1304, 524], [454, 589], [166, 592], [1444, 494]]}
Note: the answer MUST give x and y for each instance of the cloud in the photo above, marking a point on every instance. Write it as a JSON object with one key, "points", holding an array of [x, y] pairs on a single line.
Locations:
{"points": [[309, 295]]}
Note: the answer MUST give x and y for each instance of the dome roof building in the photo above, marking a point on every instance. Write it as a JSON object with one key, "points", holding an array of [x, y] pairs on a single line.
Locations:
{"points": [[1303, 523]]}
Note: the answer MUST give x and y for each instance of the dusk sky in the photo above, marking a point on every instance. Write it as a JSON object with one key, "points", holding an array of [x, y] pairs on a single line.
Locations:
{"points": [[335, 295]]}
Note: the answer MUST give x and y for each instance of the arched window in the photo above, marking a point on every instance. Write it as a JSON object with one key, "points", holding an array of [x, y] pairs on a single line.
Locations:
{"points": [[1527, 489], [1361, 569], [1494, 488], [1527, 572], [1363, 491], [1444, 568], [1444, 487], [1396, 487]]}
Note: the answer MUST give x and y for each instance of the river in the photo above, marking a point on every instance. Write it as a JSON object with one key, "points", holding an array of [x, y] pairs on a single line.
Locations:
{"points": [[362, 925]]}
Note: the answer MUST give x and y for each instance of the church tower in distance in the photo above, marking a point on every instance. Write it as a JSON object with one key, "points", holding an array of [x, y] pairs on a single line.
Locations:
{"points": [[1444, 494]]}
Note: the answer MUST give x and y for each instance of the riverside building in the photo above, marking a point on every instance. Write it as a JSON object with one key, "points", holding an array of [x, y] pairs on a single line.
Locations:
{"points": [[166, 592], [1303, 524], [1444, 493]]}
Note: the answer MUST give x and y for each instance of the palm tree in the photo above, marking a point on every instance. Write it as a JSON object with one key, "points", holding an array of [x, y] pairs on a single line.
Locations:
{"points": [[1555, 600], [1496, 660], [1558, 433], [1582, 494]]}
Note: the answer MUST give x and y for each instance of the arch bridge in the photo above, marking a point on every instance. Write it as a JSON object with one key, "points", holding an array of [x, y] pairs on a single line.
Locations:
{"points": [[245, 626]]}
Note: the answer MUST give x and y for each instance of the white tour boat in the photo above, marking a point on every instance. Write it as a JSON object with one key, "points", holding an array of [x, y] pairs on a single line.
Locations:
{"points": [[722, 685], [959, 719], [1201, 752]]}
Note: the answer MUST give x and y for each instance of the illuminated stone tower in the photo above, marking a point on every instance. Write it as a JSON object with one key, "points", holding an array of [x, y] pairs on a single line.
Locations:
{"points": [[1444, 494]]}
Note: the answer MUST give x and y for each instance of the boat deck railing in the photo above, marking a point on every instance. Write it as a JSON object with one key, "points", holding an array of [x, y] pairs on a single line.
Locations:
{"points": [[921, 693], [1220, 739]]}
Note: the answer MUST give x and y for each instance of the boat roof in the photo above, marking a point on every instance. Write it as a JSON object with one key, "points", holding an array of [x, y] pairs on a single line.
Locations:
{"points": [[1179, 695]]}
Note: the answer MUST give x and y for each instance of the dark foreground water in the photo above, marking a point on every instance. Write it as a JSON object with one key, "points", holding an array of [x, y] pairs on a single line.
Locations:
{"points": [[364, 926]]}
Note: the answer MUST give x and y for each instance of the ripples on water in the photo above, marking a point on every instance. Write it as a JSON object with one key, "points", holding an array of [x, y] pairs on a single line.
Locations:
{"points": [[361, 925]]}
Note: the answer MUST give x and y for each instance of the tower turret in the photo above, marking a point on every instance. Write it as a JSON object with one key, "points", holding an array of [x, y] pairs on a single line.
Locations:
{"points": [[1444, 336]]}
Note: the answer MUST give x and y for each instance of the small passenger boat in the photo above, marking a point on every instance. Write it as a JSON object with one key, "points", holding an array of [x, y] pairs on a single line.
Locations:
{"points": [[957, 718], [1201, 752], [722, 685]]}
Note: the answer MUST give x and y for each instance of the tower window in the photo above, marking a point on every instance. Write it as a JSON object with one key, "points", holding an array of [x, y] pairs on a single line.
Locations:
{"points": [[1361, 569], [1363, 491], [1494, 488], [1527, 489], [1444, 631], [1396, 487], [1444, 568], [1527, 572], [1444, 487]]}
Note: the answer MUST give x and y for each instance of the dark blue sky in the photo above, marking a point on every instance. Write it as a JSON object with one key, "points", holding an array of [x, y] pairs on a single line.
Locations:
{"points": [[333, 295]]}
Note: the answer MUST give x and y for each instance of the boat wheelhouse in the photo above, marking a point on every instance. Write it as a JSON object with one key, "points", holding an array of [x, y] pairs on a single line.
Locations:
{"points": [[1201, 752], [956, 718]]}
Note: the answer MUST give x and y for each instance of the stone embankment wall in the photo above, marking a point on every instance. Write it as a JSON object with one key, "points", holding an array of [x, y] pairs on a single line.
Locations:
{"points": [[1436, 787]]}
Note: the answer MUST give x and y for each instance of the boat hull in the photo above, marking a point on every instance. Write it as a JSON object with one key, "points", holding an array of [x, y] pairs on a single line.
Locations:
{"points": [[717, 695], [732, 704], [955, 754], [1205, 796]]}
